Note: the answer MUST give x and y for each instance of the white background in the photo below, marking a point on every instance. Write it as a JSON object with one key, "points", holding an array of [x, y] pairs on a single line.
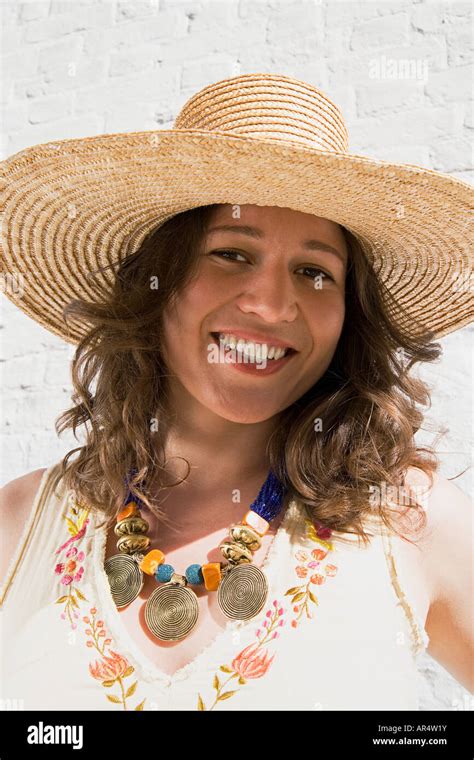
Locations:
{"points": [[72, 69]]}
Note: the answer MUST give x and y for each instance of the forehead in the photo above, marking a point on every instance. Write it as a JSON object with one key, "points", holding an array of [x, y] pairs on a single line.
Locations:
{"points": [[267, 222]]}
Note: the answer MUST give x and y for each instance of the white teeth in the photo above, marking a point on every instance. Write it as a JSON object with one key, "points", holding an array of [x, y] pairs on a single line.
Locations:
{"points": [[255, 351]]}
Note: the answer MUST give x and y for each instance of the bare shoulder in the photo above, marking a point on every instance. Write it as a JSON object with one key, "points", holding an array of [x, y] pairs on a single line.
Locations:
{"points": [[447, 508], [15, 495], [16, 502], [447, 531], [446, 562]]}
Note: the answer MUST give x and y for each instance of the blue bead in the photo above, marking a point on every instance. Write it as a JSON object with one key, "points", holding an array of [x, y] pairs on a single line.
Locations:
{"points": [[163, 573], [194, 574]]}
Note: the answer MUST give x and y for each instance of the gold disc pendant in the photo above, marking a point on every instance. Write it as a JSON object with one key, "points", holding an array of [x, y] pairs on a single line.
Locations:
{"points": [[242, 592], [125, 578], [171, 611]]}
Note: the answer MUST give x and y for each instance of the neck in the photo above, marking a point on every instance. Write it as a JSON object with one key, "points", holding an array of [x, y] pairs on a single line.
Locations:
{"points": [[220, 452], [215, 461]]}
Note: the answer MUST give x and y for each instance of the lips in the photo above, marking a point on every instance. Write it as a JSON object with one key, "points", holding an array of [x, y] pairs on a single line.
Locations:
{"points": [[256, 369], [289, 351]]}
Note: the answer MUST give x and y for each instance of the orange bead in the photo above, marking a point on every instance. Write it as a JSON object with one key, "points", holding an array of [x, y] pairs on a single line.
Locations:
{"points": [[151, 561], [128, 511], [212, 575], [259, 524]]}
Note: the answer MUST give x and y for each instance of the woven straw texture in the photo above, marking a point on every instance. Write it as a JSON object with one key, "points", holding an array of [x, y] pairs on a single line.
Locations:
{"points": [[72, 207]]}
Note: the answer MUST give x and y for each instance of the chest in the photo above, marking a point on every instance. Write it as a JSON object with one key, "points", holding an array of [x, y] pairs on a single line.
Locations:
{"points": [[308, 572], [171, 656], [332, 635]]}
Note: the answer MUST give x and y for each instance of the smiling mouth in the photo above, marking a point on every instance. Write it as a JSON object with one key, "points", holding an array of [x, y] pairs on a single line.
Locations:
{"points": [[289, 351]]}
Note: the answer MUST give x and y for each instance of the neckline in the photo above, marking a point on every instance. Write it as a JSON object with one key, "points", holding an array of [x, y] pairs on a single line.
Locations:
{"points": [[124, 641]]}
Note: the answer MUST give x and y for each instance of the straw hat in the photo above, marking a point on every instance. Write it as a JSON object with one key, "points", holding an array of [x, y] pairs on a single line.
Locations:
{"points": [[72, 207]]}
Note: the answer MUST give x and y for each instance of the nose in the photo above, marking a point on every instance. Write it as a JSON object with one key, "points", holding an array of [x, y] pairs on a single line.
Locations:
{"points": [[269, 292]]}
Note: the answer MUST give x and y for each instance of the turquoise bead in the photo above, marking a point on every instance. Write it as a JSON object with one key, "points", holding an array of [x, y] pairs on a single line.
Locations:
{"points": [[194, 574], [163, 573]]}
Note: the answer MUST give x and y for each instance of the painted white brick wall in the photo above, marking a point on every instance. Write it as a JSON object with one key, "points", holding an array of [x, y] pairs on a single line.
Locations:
{"points": [[77, 68]]}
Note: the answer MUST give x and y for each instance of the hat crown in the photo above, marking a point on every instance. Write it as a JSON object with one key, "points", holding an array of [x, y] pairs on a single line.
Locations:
{"points": [[270, 106]]}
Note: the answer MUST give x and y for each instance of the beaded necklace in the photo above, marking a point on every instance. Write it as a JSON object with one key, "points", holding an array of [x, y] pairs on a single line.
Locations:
{"points": [[172, 610]]}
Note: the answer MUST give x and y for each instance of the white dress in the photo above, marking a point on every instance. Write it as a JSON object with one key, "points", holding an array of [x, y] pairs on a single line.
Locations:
{"points": [[337, 631]]}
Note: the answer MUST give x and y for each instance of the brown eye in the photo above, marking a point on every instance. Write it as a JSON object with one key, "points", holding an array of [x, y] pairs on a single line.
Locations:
{"points": [[226, 250], [319, 271], [227, 253]]}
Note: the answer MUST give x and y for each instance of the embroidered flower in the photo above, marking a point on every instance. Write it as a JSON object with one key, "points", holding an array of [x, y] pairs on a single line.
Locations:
{"points": [[322, 531], [301, 571], [301, 555], [253, 661], [303, 594], [113, 668], [70, 568], [302, 597], [318, 533]]}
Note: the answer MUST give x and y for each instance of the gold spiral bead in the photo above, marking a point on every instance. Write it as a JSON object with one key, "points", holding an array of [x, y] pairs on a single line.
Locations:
{"points": [[235, 552], [172, 610], [134, 543], [125, 578], [131, 525], [242, 592], [247, 536]]}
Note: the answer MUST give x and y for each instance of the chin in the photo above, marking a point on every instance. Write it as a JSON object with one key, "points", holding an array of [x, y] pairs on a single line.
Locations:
{"points": [[243, 416]]}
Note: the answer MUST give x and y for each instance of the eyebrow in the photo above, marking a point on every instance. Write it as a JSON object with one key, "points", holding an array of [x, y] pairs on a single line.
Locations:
{"points": [[256, 232]]}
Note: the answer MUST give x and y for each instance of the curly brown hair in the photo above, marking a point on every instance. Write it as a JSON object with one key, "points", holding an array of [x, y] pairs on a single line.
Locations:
{"points": [[366, 400]]}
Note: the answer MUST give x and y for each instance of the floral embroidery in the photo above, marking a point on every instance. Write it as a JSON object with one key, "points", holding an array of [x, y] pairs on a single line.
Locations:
{"points": [[254, 661], [70, 569], [309, 561], [113, 668], [251, 662]]}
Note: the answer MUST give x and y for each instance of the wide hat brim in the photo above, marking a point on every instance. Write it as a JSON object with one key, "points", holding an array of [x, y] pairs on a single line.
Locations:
{"points": [[73, 207]]}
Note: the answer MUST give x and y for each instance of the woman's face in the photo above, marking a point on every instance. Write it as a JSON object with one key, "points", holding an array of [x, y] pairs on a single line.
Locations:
{"points": [[273, 284]]}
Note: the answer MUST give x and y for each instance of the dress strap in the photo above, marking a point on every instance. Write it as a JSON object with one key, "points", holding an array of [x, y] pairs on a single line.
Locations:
{"points": [[419, 637], [38, 508]]}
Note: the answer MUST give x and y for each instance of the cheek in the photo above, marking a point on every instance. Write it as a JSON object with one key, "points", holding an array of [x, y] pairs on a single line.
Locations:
{"points": [[336, 322], [175, 334], [326, 327], [182, 322], [198, 298], [327, 319]]}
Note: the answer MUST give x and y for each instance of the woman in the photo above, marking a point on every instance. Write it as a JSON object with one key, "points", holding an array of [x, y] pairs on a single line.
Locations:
{"points": [[174, 368]]}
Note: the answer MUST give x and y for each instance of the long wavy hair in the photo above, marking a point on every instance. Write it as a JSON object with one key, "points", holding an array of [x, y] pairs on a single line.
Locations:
{"points": [[366, 403]]}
